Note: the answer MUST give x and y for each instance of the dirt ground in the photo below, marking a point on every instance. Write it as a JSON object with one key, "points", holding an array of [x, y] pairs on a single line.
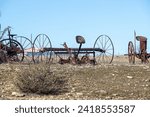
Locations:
{"points": [[119, 80]]}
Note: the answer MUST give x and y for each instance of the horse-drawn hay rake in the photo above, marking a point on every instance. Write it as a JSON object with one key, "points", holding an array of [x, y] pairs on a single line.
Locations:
{"points": [[140, 52], [22, 49], [103, 51]]}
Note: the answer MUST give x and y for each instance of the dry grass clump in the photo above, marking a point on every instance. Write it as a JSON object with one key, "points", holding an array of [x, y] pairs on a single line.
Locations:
{"points": [[41, 79]]}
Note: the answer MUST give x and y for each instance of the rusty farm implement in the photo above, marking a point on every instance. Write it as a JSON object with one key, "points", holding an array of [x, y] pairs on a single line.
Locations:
{"points": [[14, 46], [22, 49], [139, 52], [101, 52]]}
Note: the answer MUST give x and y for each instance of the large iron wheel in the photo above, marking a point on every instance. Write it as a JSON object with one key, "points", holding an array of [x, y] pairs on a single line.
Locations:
{"points": [[41, 41], [27, 46], [104, 49], [14, 50], [131, 53]]}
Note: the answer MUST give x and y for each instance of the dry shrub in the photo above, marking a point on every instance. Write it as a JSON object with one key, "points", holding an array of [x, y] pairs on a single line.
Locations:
{"points": [[41, 79]]}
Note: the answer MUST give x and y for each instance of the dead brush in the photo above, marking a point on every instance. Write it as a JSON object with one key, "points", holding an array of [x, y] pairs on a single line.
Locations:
{"points": [[40, 79]]}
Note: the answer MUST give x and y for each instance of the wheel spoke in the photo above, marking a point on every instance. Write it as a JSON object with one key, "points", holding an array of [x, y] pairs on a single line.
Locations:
{"points": [[106, 43], [101, 43], [107, 57], [39, 43], [26, 46], [109, 53], [46, 44], [98, 45], [108, 46], [24, 42], [43, 42]]}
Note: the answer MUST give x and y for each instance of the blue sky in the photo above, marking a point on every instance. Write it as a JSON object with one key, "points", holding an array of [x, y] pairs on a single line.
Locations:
{"points": [[62, 20]]}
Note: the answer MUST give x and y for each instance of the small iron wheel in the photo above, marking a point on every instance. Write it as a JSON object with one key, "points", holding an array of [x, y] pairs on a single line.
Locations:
{"points": [[131, 53]]}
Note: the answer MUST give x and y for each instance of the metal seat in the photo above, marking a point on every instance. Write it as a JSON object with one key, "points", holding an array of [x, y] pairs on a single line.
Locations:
{"points": [[12, 35], [80, 39]]}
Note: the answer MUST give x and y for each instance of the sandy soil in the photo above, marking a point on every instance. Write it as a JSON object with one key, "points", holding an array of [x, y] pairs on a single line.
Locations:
{"points": [[118, 80]]}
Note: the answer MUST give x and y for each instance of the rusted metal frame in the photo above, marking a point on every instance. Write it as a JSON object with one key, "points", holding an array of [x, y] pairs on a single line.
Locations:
{"points": [[74, 52], [143, 48], [73, 49]]}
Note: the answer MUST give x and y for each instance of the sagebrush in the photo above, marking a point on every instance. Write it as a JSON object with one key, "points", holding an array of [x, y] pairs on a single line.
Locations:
{"points": [[41, 79]]}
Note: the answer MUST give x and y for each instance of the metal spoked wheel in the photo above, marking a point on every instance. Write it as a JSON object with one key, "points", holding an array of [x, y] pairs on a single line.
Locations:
{"points": [[105, 52], [131, 54], [14, 50], [27, 46], [40, 42]]}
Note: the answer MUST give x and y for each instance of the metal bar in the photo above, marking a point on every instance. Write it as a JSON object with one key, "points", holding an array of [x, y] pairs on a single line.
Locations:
{"points": [[134, 41], [73, 49], [83, 52], [79, 50]]}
